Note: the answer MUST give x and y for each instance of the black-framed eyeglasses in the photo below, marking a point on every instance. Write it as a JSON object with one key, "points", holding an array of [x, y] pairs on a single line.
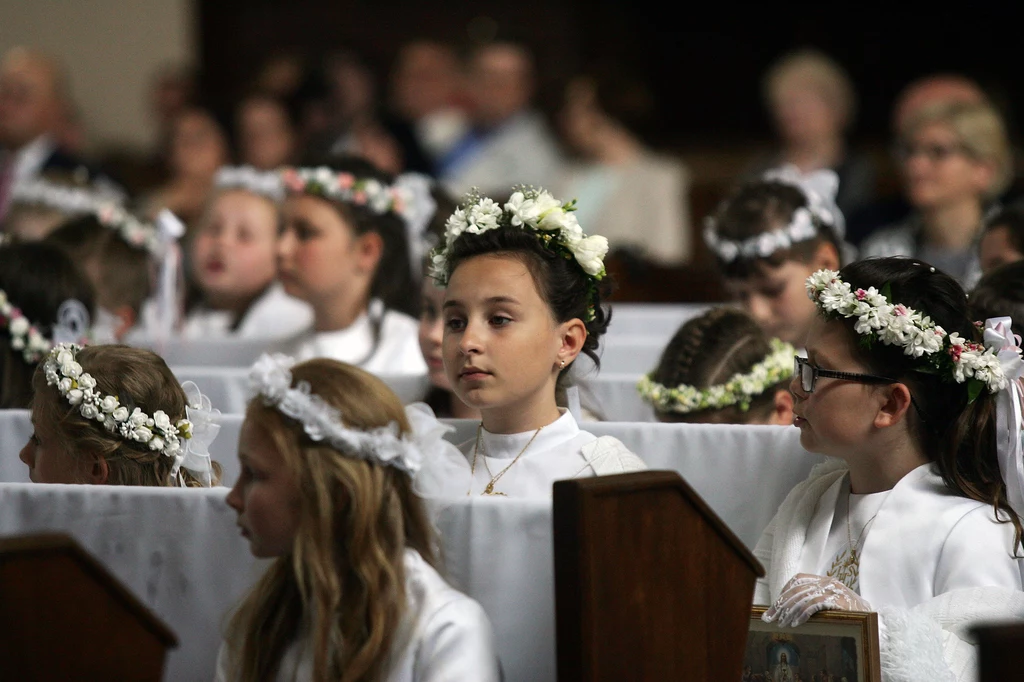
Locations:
{"points": [[935, 153], [809, 374]]}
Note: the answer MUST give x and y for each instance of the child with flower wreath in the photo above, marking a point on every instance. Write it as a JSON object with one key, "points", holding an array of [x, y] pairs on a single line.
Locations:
{"points": [[233, 263], [344, 250], [917, 513], [37, 282], [768, 236], [115, 415], [328, 453], [719, 368], [523, 300]]}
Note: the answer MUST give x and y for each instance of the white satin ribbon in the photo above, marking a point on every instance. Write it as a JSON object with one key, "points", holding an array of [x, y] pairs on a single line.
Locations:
{"points": [[205, 427], [169, 231], [999, 337], [417, 211], [820, 187]]}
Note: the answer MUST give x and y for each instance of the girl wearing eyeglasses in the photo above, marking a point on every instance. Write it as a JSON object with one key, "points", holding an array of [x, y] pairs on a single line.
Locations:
{"points": [[955, 160], [911, 516]]}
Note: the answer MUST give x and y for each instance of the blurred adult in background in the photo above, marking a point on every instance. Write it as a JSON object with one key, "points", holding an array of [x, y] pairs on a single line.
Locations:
{"points": [[34, 115], [1002, 240], [892, 207], [627, 192], [812, 104], [199, 146], [955, 160], [425, 91], [267, 132], [509, 142]]}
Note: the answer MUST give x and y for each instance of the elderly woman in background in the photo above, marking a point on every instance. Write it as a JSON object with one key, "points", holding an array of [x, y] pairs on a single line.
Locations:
{"points": [[955, 160], [812, 103]]}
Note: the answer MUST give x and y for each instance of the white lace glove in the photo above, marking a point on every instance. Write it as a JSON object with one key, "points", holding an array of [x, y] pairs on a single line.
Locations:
{"points": [[805, 594]]}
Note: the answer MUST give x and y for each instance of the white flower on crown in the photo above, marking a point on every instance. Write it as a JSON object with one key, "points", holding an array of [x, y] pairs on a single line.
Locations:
{"points": [[897, 325]]}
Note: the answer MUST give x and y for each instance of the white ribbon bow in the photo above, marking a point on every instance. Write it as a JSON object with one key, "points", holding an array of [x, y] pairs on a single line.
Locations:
{"points": [[205, 426], [820, 187], [999, 337], [419, 207]]}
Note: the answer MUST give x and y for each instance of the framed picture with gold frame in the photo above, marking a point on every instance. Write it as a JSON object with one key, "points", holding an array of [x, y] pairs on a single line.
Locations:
{"points": [[832, 646]]}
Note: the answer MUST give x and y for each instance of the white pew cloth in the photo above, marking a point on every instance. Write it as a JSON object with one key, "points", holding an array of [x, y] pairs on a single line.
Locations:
{"points": [[209, 352], [614, 398], [228, 387], [653, 320], [178, 551]]}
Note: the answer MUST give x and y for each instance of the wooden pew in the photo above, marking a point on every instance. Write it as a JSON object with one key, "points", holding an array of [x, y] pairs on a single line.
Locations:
{"points": [[64, 616], [649, 583], [1000, 651]]}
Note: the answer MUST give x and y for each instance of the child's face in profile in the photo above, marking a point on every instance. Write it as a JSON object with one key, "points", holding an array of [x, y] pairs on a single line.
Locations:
{"points": [[997, 248], [777, 299], [47, 461], [264, 496], [234, 251], [432, 333], [501, 341]]}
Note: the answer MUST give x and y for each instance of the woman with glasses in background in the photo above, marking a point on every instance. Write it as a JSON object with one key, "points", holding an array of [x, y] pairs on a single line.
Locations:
{"points": [[955, 160]]}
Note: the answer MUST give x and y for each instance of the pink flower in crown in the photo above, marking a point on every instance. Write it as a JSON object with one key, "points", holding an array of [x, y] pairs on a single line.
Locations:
{"points": [[359, 197], [860, 294], [955, 351], [292, 180], [397, 205], [346, 180], [899, 309]]}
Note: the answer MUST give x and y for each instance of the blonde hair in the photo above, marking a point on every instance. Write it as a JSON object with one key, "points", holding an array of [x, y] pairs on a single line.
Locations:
{"points": [[139, 378], [344, 578], [821, 72], [979, 128]]}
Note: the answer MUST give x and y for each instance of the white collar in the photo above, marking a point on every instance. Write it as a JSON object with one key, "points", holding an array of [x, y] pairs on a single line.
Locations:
{"points": [[359, 329], [509, 445]]}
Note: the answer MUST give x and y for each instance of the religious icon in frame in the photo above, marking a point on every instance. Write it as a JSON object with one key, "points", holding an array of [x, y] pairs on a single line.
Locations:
{"points": [[832, 646]]}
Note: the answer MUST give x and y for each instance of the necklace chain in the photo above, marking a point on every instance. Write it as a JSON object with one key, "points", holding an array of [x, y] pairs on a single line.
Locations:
{"points": [[489, 488]]}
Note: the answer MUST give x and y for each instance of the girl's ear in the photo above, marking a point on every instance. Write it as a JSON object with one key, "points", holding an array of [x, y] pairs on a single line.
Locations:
{"points": [[573, 334], [782, 408], [896, 401], [826, 257], [369, 248], [99, 470]]}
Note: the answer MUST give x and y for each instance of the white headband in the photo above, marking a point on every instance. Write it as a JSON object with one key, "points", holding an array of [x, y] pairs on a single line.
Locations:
{"points": [[264, 183]]}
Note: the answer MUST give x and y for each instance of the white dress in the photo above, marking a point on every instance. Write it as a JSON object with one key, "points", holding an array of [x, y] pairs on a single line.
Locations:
{"points": [[559, 451], [932, 564], [397, 348], [445, 637], [273, 315]]}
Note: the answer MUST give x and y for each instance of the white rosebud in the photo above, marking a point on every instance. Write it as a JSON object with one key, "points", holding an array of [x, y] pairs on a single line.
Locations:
{"points": [[161, 420], [19, 326], [75, 396], [590, 253], [64, 385], [109, 404], [120, 414], [64, 357], [71, 369], [86, 381], [17, 342], [137, 418], [141, 434], [156, 443], [89, 411]]}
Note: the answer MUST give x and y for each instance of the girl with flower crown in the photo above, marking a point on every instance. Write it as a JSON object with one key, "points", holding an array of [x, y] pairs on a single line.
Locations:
{"points": [[719, 368], [233, 263], [327, 454], [36, 281], [344, 250], [917, 515], [115, 415], [768, 236], [523, 300]]}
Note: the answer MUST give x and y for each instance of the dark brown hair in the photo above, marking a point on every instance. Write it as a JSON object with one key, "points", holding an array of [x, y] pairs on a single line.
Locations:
{"points": [[710, 349], [139, 378], [957, 435], [761, 206], [1000, 293]]}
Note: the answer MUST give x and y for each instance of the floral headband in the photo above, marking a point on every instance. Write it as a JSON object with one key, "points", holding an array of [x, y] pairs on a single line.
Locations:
{"points": [[136, 233], [894, 324], [529, 209], [345, 187], [198, 429], [819, 189], [270, 378], [740, 389], [25, 336], [267, 184]]}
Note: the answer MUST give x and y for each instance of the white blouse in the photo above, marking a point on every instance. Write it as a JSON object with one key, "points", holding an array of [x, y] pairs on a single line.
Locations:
{"points": [[273, 315], [445, 637], [560, 450], [396, 351]]}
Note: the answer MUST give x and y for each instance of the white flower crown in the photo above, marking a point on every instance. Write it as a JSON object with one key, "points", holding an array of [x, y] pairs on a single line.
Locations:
{"points": [[530, 209], [894, 324], [270, 378], [268, 184], [740, 389], [819, 189], [137, 233], [346, 187], [157, 432], [25, 336]]}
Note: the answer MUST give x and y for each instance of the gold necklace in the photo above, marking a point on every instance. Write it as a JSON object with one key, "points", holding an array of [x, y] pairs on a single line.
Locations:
{"points": [[846, 568], [489, 488]]}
